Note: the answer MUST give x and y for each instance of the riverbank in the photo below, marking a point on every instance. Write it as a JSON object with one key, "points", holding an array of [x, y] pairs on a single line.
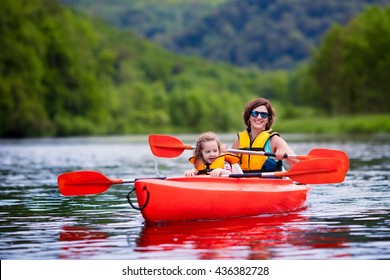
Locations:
{"points": [[342, 125], [379, 123]]}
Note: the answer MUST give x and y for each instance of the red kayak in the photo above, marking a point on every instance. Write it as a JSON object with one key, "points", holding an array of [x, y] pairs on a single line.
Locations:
{"points": [[208, 198]]}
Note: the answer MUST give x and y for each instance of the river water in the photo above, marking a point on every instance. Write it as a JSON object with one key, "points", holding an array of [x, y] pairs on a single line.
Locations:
{"points": [[349, 220]]}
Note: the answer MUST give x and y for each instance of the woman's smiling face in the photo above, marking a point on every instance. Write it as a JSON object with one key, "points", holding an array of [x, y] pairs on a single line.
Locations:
{"points": [[259, 123]]}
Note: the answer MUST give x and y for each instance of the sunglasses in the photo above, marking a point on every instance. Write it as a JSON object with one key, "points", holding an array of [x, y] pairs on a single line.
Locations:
{"points": [[263, 115]]}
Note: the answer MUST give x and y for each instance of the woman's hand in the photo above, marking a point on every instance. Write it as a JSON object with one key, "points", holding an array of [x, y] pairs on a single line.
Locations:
{"points": [[279, 154], [281, 148]]}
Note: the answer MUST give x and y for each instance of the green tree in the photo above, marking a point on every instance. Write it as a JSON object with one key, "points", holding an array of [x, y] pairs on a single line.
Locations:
{"points": [[350, 69]]}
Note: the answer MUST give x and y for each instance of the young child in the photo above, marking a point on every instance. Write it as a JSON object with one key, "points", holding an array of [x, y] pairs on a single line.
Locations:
{"points": [[208, 158]]}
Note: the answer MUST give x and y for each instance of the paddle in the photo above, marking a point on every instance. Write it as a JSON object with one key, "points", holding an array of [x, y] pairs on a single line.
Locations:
{"points": [[87, 182], [169, 147], [313, 171]]}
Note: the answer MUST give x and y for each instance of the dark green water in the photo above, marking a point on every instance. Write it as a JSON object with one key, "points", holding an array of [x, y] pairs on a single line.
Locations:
{"points": [[342, 221]]}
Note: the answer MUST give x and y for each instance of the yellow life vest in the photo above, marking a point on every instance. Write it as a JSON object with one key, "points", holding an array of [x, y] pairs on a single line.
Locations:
{"points": [[253, 162], [219, 162]]}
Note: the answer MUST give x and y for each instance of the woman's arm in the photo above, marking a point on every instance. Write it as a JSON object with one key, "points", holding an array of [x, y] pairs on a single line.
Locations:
{"points": [[280, 148], [236, 144]]}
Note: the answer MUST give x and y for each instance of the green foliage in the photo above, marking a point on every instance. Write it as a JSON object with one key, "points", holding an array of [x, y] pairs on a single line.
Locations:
{"points": [[65, 74], [153, 19], [376, 123], [267, 34], [62, 74], [349, 72]]}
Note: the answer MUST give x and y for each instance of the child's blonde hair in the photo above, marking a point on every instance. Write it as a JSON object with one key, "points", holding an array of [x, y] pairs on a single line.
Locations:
{"points": [[205, 137]]}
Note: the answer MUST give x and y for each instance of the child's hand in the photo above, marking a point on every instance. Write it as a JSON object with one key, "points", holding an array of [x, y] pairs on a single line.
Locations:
{"points": [[217, 172], [191, 172]]}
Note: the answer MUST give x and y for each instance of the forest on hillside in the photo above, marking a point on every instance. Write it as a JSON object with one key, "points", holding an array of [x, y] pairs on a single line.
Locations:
{"points": [[153, 19], [269, 34], [63, 73]]}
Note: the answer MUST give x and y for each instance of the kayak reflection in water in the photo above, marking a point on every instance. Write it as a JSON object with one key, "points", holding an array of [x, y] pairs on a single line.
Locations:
{"points": [[80, 242], [258, 237], [259, 116], [209, 159]]}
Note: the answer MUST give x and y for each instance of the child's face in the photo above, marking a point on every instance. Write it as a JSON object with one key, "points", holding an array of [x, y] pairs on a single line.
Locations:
{"points": [[210, 151]]}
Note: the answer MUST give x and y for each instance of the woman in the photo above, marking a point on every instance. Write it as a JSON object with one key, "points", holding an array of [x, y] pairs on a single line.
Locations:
{"points": [[259, 116]]}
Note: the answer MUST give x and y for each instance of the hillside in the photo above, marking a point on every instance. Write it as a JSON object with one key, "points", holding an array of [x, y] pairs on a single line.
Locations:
{"points": [[153, 19], [269, 34], [63, 73]]}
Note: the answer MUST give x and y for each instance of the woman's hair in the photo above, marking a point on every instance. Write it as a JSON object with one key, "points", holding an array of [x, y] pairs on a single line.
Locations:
{"points": [[254, 104], [205, 137]]}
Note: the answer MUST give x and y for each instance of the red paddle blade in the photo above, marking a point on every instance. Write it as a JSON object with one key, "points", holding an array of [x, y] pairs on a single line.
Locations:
{"points": [[317, 171], [84, 183], [327, 153], [166, 146]]}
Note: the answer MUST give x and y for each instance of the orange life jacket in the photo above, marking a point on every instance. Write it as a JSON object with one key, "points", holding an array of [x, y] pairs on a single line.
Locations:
{"points": [[219, 162]]}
